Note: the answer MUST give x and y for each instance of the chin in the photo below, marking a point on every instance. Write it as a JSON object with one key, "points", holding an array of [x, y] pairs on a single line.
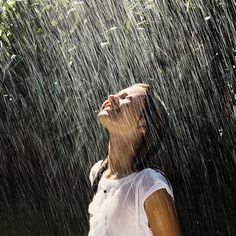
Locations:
{"points": [[107, 121], [103, 118]]}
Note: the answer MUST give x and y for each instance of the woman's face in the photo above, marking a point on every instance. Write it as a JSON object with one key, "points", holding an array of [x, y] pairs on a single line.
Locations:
{"points": [[121, 112]]}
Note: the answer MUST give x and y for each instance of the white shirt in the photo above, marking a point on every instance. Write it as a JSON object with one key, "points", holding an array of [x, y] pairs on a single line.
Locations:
{"points": [[117, 208]]}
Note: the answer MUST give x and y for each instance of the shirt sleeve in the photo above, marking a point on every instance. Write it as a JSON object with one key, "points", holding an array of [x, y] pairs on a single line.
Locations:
{"points": [[94, 171], [152, 180]]}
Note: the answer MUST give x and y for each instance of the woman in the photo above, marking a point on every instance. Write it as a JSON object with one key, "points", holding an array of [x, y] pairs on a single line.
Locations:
{"points": [[131, 197]]}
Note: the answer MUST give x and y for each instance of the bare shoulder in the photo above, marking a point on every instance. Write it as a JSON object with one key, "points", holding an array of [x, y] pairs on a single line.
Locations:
{"points": [[161, 214]]}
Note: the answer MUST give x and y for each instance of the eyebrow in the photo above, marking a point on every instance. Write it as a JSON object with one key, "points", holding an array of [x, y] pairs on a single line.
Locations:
{"points": [[122, 94]]}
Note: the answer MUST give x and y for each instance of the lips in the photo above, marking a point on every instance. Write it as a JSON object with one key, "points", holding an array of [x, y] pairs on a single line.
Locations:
{"points": [[105, 104]]}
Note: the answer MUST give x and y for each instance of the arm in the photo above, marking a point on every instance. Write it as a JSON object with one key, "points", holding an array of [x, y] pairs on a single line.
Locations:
{"points": [[161, 214]]}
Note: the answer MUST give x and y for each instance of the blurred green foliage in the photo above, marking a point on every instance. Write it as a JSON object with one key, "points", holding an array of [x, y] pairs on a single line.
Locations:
{"points": [[59, 59]]}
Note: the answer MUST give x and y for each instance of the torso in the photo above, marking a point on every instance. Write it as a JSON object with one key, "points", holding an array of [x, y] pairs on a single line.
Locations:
{"points": [[117, 208]]}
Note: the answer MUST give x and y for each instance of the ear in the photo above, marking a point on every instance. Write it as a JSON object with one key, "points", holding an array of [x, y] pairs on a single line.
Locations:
{"points": [[141, 127]]}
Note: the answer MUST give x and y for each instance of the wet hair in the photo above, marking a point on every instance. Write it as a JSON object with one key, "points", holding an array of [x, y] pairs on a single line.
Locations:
{"points": [[156, 124]]}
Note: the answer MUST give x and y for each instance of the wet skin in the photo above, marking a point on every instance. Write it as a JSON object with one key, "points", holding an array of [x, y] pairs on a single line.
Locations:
{"points": [[121, 111]]}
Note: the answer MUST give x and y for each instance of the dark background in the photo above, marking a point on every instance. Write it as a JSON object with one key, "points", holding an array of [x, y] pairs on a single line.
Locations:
{"points": [[61, 59]]}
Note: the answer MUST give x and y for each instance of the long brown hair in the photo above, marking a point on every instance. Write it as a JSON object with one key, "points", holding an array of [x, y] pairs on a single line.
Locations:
{"points": [[156, 121]]}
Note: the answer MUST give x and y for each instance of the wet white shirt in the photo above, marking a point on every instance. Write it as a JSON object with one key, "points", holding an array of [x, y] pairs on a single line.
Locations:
{"points": [[117, 208]]}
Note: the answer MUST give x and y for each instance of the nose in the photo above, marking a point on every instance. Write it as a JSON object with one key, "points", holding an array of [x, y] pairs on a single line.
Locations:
{"points": [[113, 98]]}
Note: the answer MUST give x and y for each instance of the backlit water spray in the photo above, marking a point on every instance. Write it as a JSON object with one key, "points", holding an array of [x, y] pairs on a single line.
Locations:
{"points": [[60, 59]]}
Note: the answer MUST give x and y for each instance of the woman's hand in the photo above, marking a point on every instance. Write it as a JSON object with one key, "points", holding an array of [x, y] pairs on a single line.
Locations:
{"points": [[161, 214]]}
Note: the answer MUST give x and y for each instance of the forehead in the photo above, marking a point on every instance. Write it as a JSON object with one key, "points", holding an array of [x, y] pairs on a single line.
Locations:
{"points": [[134, 90]]}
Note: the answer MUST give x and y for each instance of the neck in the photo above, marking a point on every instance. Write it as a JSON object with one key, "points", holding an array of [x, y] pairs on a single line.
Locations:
{"points": [[121, 152]]}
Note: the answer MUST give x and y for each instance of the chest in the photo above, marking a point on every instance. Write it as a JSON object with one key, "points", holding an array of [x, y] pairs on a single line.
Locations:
{"points": [[115, 201], [117, 208]]}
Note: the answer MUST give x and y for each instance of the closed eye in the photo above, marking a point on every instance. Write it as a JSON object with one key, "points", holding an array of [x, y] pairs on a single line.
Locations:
{"points": [[123, 96]]}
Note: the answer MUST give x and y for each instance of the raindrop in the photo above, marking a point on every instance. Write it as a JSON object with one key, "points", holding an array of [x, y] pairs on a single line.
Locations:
{"points": [[76, 2], [71, 10], [104, 44], [13, 56], [234, 111], [71, 49], [207, 18], [70, 54], [2, 10], [221, 132], [70, 63], [113, 28]]}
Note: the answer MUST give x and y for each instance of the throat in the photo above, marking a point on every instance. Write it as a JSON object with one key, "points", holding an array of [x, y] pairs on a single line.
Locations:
{"points": [[120, 161], [121, 152]]}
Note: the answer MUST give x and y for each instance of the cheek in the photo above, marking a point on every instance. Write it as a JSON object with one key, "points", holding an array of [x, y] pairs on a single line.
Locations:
{"points": [[131, 113]]}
